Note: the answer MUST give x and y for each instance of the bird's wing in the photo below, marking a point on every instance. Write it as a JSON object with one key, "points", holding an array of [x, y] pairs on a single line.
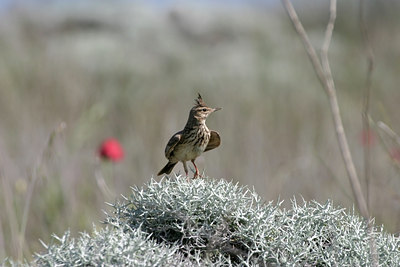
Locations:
{"points": [[172, 143], [215, 141]]}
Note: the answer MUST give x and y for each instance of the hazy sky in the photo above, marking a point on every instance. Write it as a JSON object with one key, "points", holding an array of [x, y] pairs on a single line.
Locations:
{"points": [[10, 3]]}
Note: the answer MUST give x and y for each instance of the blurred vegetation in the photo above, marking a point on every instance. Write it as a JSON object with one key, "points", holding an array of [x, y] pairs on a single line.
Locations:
{"points": [[132, 71]]}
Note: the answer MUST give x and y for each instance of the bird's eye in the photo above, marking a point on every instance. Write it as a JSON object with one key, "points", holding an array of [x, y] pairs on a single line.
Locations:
{"points": [[204, 109]]}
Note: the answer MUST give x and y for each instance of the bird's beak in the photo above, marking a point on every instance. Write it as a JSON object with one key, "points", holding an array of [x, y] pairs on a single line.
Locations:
{"points": [[216, 109]]}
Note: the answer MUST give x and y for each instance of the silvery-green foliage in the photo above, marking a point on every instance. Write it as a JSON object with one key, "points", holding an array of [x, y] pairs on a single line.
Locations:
{"points": [[209, 222], [215, 219], [109, 247]]}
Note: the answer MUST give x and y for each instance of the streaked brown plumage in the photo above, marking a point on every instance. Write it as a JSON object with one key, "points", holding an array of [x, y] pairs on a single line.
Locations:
{"points": [[193, 140]]}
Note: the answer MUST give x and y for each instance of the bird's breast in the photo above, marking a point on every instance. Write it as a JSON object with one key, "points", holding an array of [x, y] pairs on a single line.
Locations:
{"points": [[193, 144]]}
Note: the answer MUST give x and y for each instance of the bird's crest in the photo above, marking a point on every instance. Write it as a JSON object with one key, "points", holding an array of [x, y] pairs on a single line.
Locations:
{"points": [[199, 102]]}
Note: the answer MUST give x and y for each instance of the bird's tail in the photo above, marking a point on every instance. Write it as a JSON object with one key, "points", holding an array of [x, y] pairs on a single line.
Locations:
{"points": [[167, 168]]}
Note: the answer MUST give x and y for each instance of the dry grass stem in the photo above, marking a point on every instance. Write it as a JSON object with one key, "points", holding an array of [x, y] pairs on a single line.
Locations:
{"points": [[10, 211], [367, 93], [324, 74], [392, 134], [365, 120], [31, 187]]}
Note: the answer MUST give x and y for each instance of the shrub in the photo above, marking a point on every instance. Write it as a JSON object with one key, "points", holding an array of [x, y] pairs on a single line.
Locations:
{"points": [[116, 247], [212, 223]]}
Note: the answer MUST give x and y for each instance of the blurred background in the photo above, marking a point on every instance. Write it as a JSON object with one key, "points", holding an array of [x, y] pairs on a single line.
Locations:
{"points": [[73, 73]]}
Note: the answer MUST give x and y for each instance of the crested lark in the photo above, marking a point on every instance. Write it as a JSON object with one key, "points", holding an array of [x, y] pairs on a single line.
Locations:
{"points": [[193, 140]]}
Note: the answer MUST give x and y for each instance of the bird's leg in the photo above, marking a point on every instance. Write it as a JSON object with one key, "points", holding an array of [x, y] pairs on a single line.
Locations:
{"points": [[196, 174], [185, 168]]}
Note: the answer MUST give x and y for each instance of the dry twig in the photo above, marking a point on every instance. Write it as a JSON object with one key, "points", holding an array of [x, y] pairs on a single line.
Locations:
{"points": [[324, 74]]}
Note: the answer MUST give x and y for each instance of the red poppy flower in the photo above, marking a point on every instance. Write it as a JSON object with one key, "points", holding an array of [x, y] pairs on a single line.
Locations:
{"points": [[368, 138], [111, 149], [395, 155]]}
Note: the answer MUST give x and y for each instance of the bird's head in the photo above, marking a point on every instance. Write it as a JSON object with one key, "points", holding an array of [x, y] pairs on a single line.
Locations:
{"points": [[200, 110]]}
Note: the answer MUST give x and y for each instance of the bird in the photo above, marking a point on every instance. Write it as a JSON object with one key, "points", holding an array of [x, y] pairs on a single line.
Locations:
{"points": [[193, 140]]}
